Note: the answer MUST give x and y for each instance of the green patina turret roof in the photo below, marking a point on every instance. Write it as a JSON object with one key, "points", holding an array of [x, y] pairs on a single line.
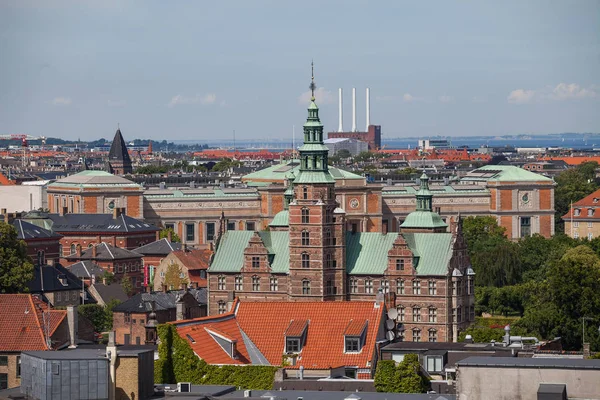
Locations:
{"points": [[424, 217], [281, 219]]}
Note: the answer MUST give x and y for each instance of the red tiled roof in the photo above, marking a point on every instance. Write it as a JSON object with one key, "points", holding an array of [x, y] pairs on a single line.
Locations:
{"points": [[296, 328], [355, 327], [194, 259], [590, 202], [22, 322], [267, 323]]}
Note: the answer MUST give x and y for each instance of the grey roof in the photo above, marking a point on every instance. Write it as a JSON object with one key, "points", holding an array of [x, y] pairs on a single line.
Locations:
{"points": [[160, 247], [85, 269], [89, 223], [48, 279], [105, 251], [118, 149], [515, 362], [26, 231], [163, 301], [448, 346], [114, 291]]}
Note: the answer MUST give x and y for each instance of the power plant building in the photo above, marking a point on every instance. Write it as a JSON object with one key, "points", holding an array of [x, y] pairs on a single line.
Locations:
{"points": [[354, 146]]}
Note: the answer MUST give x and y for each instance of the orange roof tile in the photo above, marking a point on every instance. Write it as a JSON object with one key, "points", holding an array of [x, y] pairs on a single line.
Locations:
{"points": [[194, 259], [356, 327], [296, 328], [590, 202], [22, 322], [267, 323]]}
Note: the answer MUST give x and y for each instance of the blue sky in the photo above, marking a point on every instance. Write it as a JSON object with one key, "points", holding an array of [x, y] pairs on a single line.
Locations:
{"points": [[201, 69]]}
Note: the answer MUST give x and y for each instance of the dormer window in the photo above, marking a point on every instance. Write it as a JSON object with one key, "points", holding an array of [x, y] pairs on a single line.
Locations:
{"points": [[595, 199], [354, 336], [295, 335], [590, 212], [577, 212]]}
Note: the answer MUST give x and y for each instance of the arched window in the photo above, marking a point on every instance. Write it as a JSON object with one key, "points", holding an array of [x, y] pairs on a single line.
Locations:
{"points": [[304, 192], [305, 286], [73, 248], [255, 283], [416, 335], [305, 260], [305, 215], [305, 239]]}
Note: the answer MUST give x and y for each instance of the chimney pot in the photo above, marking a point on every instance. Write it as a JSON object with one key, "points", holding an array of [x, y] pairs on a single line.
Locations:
{"points": [[368, 109], [340, 111], [353, 109], [169, 236]]}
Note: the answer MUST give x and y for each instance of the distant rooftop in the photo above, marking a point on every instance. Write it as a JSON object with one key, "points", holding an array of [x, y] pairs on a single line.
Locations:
{"points": [[90, 178], [503, 173], [516, 362]]}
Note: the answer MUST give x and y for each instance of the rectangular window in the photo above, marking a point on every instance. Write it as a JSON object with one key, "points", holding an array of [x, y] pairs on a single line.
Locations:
{"points": [[459, 314], [453, 288], [525, 226], [454, 315], [416, 335], [352, 344], [127, 318], [434, 364], [368, 286], [433, 336], [471, 285], [273, 284], [432, 288], [416, 287], [170, 226], [231, 226], [3, 361], [238, 283], [353, 286], [305, 216], [385, 286], [292, 345], [189, 232], [590, 224], [576, 224], [221, 283], [255, 262], [576, 235], [400, 284], [401, 314], [250, 226], [399, 264], [433, 315], [222, 307], [3, 381], [255, 283], [416, 314], [590, 236], [210, 231], [472, 313]]}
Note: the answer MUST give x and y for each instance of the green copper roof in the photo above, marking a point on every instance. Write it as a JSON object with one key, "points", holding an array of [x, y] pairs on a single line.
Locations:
{"points": [[90, 178], [278, 172], [366, 252], [281, 219], [313, 147], [229, 256], [423, 219], [503, 173], [314, 177]]}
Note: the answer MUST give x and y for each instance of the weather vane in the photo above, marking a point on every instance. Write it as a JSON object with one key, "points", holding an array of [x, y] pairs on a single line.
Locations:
{"points": [[312, 82]]}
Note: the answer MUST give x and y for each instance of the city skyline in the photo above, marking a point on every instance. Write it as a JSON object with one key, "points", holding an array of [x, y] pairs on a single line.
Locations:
{"points": [[194, 71]]}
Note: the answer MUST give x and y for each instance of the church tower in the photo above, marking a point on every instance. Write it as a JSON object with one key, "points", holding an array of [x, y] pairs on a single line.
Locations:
{"points": [[317, 242], [119, 162]]}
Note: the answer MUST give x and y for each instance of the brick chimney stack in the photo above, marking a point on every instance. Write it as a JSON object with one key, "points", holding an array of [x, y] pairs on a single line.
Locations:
{"points": [[95, 251]]}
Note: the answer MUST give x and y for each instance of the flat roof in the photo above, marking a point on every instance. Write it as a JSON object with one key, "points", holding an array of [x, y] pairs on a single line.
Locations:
{"points": [[428, 346], [515, 362], [331, 395]]}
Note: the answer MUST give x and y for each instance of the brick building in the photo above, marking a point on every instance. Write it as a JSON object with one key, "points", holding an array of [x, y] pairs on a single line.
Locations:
{"points": [[372, 136], [119, 262], [582, 221], [43, 245], [310, 254], [192, 264], [130, 318], [153, 254], [56, 285]]}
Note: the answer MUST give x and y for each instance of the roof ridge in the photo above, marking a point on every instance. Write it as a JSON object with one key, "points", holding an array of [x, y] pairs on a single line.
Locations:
{"points": [[124, 223], [108, 249], [37, 319]]}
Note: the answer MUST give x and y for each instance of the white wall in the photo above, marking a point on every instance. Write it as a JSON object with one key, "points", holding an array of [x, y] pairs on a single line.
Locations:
{"points": [[17, 198]]}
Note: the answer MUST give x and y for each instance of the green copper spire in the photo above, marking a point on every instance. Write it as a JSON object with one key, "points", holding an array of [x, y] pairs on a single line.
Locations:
{"points": [[424, 196], [313, 154]]}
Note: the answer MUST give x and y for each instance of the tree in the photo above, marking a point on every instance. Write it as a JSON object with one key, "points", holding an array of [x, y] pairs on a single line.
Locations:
{"points": [[96, 314], [496, 262], [164, 233], [573, 185], [409, 376], [108, 313], [479, 228], [127, 285], [385, 376], [174, 277], [16, 268], [226, 164], [343, 153]]}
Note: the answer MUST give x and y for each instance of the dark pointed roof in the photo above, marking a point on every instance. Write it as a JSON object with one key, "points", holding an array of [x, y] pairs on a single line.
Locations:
{"points": [[161, 247], [47, 278], [118, 149]]}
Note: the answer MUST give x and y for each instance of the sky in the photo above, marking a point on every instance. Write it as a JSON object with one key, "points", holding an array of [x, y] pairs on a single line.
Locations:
{"points": [[198, 70]]}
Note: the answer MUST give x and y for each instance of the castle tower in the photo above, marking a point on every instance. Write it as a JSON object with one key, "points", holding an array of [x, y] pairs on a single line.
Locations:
{"points": [[119, 162], [317, 242], [424, 219]]}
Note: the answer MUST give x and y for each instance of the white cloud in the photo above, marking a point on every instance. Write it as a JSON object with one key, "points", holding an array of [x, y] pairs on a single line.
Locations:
{"points": [[116, 103], [564, 91], [521, 96], [561, 92], [61, 101], [322, 96], [408, 98], [209, 98], [446, 99]]}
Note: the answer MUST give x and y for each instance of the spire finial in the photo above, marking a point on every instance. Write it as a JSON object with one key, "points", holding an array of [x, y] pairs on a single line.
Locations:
{"points": [[312, 82], [118, 127]]}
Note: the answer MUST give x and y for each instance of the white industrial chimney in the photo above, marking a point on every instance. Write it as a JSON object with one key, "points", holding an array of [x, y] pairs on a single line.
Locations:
{"points": [[368, 110], [340, 111], [353, 109]]}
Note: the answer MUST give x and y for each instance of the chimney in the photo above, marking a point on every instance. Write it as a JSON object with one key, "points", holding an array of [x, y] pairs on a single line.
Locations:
{"points": [[353, 109], [118, 211], [94, 251], [111, 354], [78, 250], [179, 308], [340, 111], [72, 322], [368, 109], [63, 211], [114, 241], [169, 236], [98, 239], [157, 238]]}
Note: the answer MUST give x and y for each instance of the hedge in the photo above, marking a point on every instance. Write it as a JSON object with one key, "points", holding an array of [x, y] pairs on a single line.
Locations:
{"points": [[178, 363]]}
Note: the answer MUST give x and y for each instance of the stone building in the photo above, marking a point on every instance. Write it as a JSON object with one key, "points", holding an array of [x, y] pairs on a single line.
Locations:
{"points": [[582, 222], [311, 254]]}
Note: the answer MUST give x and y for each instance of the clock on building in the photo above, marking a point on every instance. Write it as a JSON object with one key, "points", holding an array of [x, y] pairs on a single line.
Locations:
{"points": [[354, 203]]}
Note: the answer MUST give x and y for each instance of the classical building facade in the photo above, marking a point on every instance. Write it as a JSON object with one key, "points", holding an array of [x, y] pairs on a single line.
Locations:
{"points": [[311, 253], [582, 222]]}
